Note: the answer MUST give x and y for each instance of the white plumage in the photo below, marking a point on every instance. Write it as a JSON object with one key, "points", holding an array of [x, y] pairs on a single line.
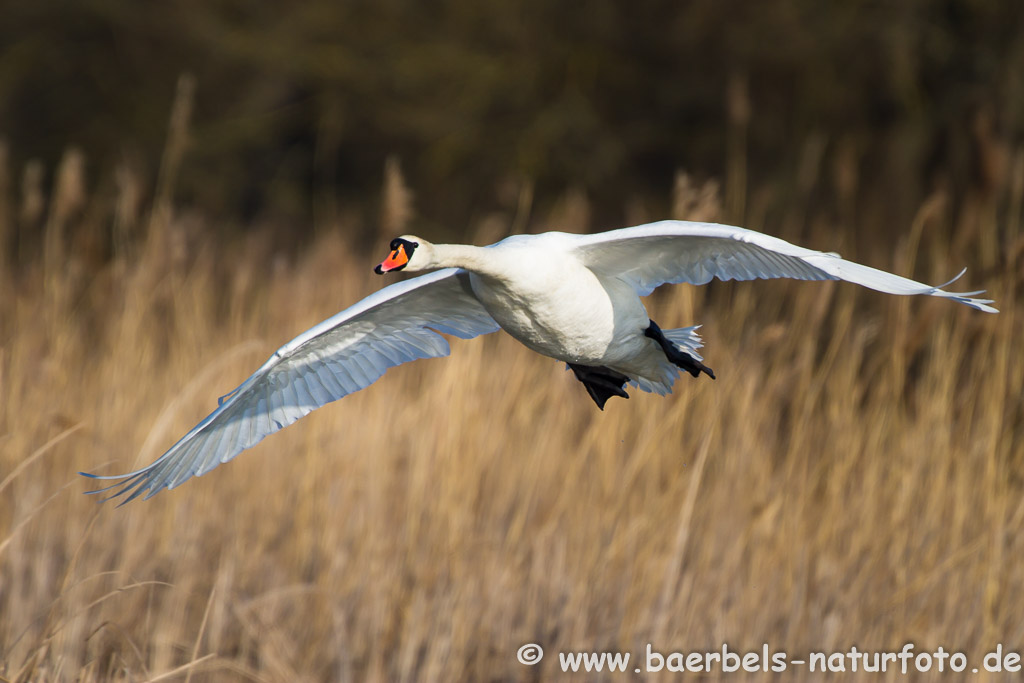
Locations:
{"points": [[572, 297]]}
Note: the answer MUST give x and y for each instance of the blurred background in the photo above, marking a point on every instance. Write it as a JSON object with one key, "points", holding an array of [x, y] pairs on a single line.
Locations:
{"points": [[292, 112], [185, 186]]}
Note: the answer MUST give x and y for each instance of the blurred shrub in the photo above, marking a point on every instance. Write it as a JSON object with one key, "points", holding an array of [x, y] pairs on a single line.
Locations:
{"points": [[298, 105]]}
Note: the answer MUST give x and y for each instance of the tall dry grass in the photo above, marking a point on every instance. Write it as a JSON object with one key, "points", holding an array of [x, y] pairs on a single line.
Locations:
{"points": [[853, 477]]}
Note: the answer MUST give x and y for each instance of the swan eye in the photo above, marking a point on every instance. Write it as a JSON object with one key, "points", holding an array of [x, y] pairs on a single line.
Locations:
{"points": [[399, 242], [401, 252]]}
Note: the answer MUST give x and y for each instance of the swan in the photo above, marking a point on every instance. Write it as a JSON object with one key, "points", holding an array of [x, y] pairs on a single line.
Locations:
{"points": [[575, 298]]}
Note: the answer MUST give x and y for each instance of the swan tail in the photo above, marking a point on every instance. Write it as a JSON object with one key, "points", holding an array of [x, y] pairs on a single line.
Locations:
{"points": [[679, 352], [687, 339]]}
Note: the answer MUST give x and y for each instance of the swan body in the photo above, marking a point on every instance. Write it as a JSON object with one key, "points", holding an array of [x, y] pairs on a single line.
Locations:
{"points": [[575, 298], [578, 317], [557, 306]]}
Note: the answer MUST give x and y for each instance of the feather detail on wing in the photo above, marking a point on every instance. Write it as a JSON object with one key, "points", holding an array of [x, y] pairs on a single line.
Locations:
{"points": [[340, 356], [649, 256]]}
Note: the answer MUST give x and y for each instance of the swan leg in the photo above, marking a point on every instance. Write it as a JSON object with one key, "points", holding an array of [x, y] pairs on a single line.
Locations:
{"points": [[602, 383], [675, 354]]}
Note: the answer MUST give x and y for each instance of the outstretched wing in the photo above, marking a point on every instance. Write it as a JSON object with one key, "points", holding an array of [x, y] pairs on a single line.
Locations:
{"points": [[340, 356], [648, 256]]}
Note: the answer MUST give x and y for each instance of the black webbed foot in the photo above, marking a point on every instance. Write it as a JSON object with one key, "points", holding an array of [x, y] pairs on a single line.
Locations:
{"points": [[677, 355], [602, 383]]}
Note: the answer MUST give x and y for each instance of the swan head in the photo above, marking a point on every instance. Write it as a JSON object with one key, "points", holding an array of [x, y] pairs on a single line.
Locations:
{"points": [[409, 252]]}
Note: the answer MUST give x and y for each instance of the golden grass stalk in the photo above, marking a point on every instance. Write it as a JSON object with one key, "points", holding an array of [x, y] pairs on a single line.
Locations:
{"points": [[852, 477]]}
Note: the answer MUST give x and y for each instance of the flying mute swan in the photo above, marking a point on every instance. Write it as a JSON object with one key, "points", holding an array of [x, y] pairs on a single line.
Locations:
{"points": [[575, 298]]}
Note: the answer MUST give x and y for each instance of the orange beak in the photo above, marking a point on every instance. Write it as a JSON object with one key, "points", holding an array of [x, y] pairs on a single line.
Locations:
{"points": [[396, 260]]}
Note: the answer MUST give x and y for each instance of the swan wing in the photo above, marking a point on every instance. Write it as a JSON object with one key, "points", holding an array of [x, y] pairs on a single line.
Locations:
{"points": [[338, 357], [648, 256]]}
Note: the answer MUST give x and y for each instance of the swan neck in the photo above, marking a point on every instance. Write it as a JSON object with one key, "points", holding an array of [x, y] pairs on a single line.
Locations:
{"points": [[459, 256]]}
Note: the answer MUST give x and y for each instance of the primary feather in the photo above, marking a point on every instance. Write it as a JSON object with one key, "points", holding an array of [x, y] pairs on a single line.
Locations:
{"points": [[338, 357]]}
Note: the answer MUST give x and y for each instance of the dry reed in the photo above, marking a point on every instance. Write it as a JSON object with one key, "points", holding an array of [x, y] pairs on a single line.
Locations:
{"points": [[852, 478]]}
